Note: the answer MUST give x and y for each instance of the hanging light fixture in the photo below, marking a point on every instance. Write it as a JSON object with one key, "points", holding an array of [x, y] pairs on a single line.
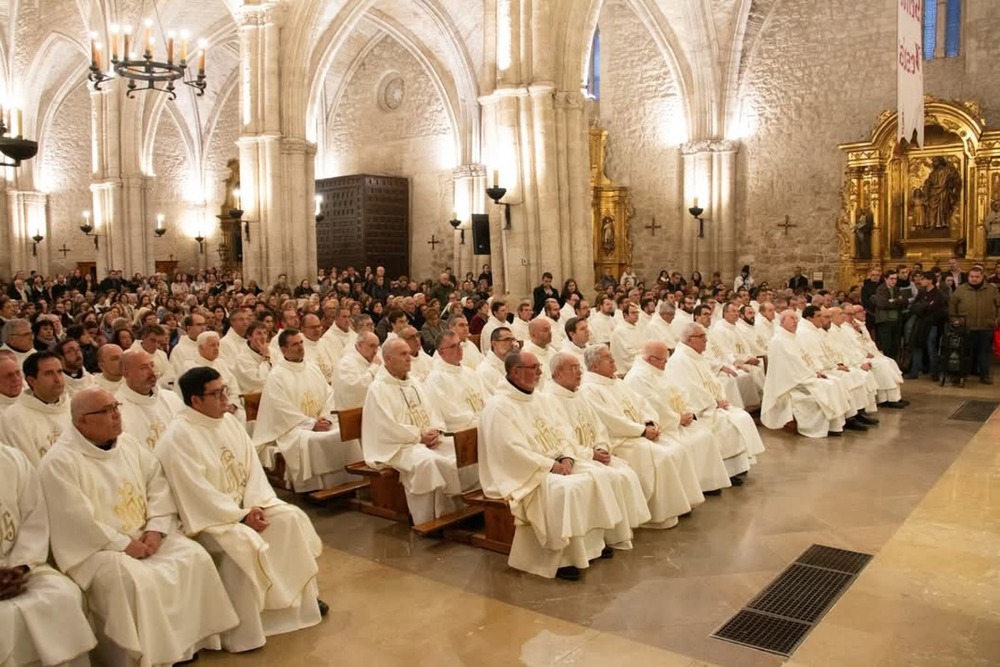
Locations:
{"points": [[12, 144], [143, 71]]}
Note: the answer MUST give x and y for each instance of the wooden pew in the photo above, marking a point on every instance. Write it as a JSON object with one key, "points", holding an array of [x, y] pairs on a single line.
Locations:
{"points": [[466, 454], [387, 497], [475, 338], [350, 429], [275, 475]]}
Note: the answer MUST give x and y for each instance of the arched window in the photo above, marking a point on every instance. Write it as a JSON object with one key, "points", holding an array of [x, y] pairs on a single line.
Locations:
{"points": [[594, 73], [942, 27]]}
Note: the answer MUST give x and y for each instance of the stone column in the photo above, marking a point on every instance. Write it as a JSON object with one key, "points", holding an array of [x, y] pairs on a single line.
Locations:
{"points": [[469, 197], [709, 177], [28, 215]]}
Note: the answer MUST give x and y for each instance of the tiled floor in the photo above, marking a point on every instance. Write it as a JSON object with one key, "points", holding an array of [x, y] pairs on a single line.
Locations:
{"points": [[934, 586]]}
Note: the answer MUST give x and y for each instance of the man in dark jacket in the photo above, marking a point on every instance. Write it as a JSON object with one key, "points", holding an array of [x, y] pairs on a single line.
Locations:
{"points": [[930, 310], [889, 304], [868, 289], [543, 292], [978, 303]]}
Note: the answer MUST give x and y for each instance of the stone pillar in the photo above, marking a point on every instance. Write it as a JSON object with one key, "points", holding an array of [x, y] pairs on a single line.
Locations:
{"points": [[709, 177], [28, 215], [469, 197]]}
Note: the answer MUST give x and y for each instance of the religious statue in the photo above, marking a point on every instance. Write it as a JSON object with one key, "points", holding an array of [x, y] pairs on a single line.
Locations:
{"points": [[918, 210], [942, 189], [992, 224], [608, 235], [863, 235]]}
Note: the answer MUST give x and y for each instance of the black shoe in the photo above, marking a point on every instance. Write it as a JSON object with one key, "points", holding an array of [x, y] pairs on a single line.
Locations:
{"points": [[866, 420], [569, 573], [853, 425], [193, 659], [713, 492], [986, 380], [835, 434], [895, 405], [685, 515], [736, 481], [324, 608], [911, 377], [607, 553]]}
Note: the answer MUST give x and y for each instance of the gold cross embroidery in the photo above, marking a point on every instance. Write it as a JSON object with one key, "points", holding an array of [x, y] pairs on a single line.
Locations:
{"points": [[546, 437], [234, 474], [131, 508]]}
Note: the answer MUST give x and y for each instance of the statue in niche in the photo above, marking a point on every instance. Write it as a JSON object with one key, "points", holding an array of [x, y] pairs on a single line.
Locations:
{"points": [[608, 235], [942, 190], [992, 224], [863, 235], [918, 210]]}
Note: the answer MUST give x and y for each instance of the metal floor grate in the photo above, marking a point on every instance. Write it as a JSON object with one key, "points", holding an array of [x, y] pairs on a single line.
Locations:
{"points": [[781, 615], [974, 411]]}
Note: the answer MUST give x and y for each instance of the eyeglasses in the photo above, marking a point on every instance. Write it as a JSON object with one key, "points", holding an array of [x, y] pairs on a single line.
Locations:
{"points": [[506, 340], [531, 367], [701, 335], [218, 393], [106, 410]]}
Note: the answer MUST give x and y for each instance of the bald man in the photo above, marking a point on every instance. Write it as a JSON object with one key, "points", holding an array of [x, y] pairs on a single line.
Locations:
{"points": [[154, 593], [146, 409], [317, 353], [539, 343], [421, 364], [356, 370], [109, 361], [208, 350], [11, 380]]}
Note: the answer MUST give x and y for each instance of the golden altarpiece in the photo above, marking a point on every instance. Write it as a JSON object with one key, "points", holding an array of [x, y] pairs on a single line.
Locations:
{"points": [[924, 204], [611, 212]]}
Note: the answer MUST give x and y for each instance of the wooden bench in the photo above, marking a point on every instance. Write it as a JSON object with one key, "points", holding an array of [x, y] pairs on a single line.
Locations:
{"points": [[275, 475], [350, 429], [387, 498], [466, 454]]}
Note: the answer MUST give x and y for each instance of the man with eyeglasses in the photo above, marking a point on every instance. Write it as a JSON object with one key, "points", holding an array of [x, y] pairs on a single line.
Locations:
{"points": [[401, 429], [471, 355], [540, 344], [154, 593], [146, 408], [186, 348], [454, 390], [11, 380], [526, 457], [265, 549], [421, 363], [731, 426], [296, 415], [491, 371], [17, 338], [41, 412], [675, 416]]}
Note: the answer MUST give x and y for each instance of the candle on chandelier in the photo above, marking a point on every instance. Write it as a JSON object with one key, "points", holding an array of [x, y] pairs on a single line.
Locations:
{"points": [[184, 46], [496, 178], [159, 221], [148, 23], [17, 121], [86, 217], [126, 51], [203, 46], [695, 202], [170, 48], [236, 197], [114, 41], [93, 49]]}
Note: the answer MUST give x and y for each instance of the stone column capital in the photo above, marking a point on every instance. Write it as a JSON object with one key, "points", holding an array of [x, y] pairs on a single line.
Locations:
{"points": [[260, 15], [570, 99], [710, 146]]}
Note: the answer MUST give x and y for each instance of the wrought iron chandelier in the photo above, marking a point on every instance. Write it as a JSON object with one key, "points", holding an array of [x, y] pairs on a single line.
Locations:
{"points": [[144, 71]]}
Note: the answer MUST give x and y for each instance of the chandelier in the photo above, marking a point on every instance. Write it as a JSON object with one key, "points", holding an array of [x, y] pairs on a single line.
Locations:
{"points": [[12, 144], [144, 71]]}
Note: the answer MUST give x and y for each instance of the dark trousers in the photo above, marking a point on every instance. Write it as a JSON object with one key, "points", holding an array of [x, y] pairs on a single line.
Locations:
{"points": [[926, 360], [979, 351], [889, 334]]}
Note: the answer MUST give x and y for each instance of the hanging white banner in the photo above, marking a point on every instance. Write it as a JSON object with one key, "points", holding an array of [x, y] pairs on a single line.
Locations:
{"points": [[910, 71]]}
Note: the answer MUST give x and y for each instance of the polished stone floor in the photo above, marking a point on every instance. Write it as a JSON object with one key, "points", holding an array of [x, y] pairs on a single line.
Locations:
{"points": [[919, 491]]}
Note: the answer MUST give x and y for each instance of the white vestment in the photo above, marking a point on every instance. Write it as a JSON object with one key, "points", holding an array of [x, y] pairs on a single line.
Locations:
{"points": [[337, 342], [471, 355], [45, 624], [250, 370], [217, 479], [230, 346], [752, 338], [659, 329], [558, 329], [734, 430], [519, 328], [184, 351], [765, 328], [354, 375], [793, 390], [626, 344], [6, 402], [456, 393], [108, 384], [668, 401], [75, 385], [318, 354], [544, 355], [825, 356], [421, 365], [295, 397], [484, 335], [601, 327], [561, 520], [664, 466], [220, 366], [164, 371], [569, 347], [888, 377], [395, 415], [157, 610], [145, 418], [491, 372], [33, 426], [726, 348]]}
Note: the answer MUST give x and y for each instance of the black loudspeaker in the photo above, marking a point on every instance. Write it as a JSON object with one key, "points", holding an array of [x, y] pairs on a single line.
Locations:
{"points": [[480, 234]]}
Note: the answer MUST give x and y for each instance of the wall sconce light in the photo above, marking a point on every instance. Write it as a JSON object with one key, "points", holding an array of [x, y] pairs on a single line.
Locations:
{"points": [[496, 193], [160, 229], [319, 211], [696, 212], [37, 238], [201, 243], [87, 228], [237, 213], [455, 224]]}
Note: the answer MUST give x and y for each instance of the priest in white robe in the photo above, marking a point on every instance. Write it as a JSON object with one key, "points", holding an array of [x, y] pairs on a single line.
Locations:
{"points": [[764, 323], [296, 414], [675, 416], [356, 371], [664, 465], [454, 390], [563, 515], [726, 345], [153, 340], [154, 595], [627, 338], [888, 377], [578, 337], [339, 338], [522, 318], [41, 610], [18, 339], [855, 318], [793, 390], [491, 370], [317, 354], [266, 549], [235, 339], [207, 353], [734, 429], [252, 362], [146, 409], [109, 361], [401, 429], [11, 380], [660, 325], [752, 337], [421, 363], [41, 412], [540, 344], [497, 318], [471, 354], [77, 377], [186, 348], [552, 313], [602, 321]]}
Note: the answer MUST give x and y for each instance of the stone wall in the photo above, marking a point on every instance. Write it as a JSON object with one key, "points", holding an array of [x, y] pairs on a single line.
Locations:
{"points": [[817, 79], [642, 110], [414, 140]]}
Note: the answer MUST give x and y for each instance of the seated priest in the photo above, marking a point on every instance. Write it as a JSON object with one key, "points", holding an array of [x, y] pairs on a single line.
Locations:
{"points": [[472, 356], [491, 371], [18, 338], [888, 377], [751, 336], [539, 343], [76, 376], [339, 338], [497, 318], [421, 363], [664, 466], [356, 371], [316, 351], [265, 549], [295, 414], [688, 369], [562, 515], [675, 417], [109, 362], [522, 317], [154, 595], [41, 412], [577, 338], [11, 380], [252, 362], [593, 444], [726, 345], [602, 321], [235, 339], [146, 408], [153, 340], [41, 610], [727, 376], [764, 323], [551, 313], [795, 390], [659, 327], [454, 390], [627, 338], [186, 348], [401, 429]]}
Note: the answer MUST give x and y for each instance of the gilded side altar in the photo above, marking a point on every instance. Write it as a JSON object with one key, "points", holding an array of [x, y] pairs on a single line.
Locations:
{"points": [[611, 212], [921, 204]]}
